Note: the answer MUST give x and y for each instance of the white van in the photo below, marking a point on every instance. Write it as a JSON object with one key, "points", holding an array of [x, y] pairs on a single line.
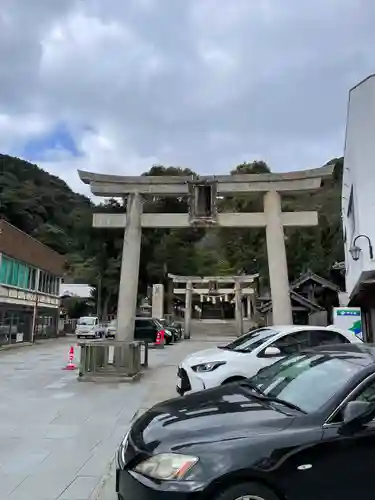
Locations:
{"points": [[89, 327]]}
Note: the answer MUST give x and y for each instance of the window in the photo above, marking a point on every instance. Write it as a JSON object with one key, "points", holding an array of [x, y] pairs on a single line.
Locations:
{"points": [[307, 380], [326, 337], [20, 275], [32, 279], [88, 321], [293, 343], [41, 281], [15, 326], [4, 269], [48, 283], [251, 340], [15, 273], [368, 393]]}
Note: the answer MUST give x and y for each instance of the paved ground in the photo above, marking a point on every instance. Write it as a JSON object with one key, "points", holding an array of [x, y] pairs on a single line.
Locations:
{"points": [[58, 435]]}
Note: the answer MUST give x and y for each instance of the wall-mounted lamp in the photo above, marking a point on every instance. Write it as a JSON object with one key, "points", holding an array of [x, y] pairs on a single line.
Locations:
{"points": [[355, 251]]}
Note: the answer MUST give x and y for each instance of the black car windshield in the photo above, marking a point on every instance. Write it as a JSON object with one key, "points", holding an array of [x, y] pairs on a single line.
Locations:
{"points": [[251, 340], [307, 380]]}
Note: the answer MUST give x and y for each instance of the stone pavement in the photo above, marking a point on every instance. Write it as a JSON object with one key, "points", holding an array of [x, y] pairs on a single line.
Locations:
{"points": [[58, 436]]}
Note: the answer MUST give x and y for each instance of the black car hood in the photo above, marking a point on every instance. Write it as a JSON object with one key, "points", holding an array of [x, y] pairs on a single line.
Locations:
{"points": [[225, 412]]}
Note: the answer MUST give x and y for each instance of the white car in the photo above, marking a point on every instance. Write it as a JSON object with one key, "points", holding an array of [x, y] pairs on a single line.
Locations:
{"points": [[245, 356], [89, 327]]}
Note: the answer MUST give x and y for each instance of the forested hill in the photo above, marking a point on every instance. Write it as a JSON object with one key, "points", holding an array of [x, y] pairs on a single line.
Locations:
{"points": [[45, 207], [42, 204]]}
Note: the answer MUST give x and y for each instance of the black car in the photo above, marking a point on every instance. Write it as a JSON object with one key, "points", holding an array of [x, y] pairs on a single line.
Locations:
{"points": [[144, 329], [172, 327], [301, 429]]}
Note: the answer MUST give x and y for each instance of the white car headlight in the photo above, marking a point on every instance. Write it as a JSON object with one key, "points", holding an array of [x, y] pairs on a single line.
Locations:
{"points": [[166, 466], [122, 450], [208, 367]]}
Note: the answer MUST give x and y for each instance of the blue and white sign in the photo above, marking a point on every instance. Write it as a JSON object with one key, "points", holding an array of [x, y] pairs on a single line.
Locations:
{"points": [[348, 318]]}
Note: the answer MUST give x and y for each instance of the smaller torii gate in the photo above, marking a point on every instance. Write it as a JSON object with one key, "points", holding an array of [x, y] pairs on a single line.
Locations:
{"points": [[213, 286]]}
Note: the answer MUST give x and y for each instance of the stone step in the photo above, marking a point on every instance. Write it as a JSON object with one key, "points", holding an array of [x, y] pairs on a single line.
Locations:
{"points": [[215, 328]]}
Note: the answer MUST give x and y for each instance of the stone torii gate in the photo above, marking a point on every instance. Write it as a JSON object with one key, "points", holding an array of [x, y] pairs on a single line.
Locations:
{"points": [[203, 193], [214, 284]]}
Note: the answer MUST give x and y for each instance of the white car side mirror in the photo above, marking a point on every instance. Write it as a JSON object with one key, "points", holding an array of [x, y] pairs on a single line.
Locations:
{"points": [[272, 352]]}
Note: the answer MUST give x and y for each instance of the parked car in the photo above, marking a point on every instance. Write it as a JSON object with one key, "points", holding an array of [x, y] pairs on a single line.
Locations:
{"points": [[145, 329], [245, 356], [302, 428], [111, 329], [90, 327], [174, 328]]}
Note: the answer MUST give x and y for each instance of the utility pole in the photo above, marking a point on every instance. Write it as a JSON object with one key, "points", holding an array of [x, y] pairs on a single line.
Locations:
{"points": [[99, 298]]}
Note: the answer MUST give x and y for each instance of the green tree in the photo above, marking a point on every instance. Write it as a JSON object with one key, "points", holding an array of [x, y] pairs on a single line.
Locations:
{"points": [[45, 207]]}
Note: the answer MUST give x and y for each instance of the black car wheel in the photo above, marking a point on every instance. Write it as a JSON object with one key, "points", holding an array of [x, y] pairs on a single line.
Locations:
{"points": [[248, 491]]}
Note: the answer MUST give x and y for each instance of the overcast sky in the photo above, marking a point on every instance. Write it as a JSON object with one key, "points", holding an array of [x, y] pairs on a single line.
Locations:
{"points": [[119, 85]]}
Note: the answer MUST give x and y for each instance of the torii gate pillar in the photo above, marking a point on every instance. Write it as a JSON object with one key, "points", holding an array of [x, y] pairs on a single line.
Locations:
{"points": [[188, 309], [238, 307], [277, 263], [127, 297]]}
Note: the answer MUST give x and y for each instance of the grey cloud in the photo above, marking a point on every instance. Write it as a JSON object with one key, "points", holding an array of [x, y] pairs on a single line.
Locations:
{"points": [[201, 84]]}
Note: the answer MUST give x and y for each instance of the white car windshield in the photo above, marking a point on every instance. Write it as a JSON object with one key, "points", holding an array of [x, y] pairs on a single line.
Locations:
{"points": [[306, 380], [89, 321], [113, 323], [251, 340]]}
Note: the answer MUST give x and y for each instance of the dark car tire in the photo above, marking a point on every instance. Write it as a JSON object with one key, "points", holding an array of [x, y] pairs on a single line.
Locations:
{"points": [[250, 491]]}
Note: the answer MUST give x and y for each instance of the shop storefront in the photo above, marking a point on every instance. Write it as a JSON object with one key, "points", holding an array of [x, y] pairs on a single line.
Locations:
{"points": [[46, 324], [15, 324], [30, 275]]}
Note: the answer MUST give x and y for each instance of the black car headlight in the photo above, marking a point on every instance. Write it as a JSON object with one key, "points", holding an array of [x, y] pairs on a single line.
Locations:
{"points": [[166, 466], [208, 367]]}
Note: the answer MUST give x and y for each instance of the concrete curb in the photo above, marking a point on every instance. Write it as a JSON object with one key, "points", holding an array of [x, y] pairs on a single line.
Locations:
{"points": [[95, 495], [110, 470], [23, 345]]}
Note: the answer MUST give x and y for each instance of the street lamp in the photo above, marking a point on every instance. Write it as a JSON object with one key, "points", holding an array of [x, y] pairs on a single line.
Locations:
{"points": [[355, 250]]}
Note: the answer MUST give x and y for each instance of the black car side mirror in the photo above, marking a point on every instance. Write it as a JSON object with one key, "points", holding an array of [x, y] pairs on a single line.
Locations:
{"points": [[356, 414]]}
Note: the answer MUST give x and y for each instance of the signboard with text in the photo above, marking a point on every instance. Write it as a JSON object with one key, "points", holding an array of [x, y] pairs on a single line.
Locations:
{"points": [[348, 318]]}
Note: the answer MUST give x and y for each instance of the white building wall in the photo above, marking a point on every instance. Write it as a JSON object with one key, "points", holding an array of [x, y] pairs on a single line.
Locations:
{"points": [[83, 291], [359, 179]]}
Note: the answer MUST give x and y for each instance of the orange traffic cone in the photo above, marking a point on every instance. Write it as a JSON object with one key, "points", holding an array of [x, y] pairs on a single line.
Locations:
{"points": [[70, 365], [160, 338]]}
